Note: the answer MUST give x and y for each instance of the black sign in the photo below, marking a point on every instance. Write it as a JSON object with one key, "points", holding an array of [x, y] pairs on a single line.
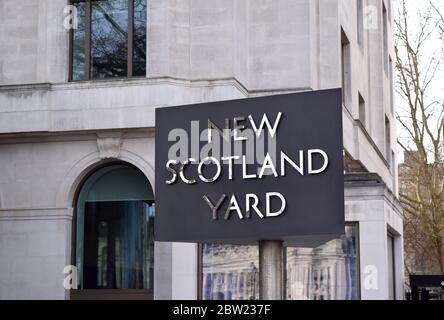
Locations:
{"points": [[241, 171]]}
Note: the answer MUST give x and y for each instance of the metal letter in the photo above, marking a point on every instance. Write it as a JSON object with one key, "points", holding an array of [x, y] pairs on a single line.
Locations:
{"points": [[245, 175], [285, 158], [253, 205], [310, 161], [268, 164], [169, 169], [281, 210], [230, 165], [182, 168], [237, 128], [234, 205], [213, 207], [265, 122], [224, 133], [216, 176]]}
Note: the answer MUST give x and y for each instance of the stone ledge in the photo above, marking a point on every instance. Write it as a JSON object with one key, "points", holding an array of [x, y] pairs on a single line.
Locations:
{"points": [[18, 214], [364, 178]]}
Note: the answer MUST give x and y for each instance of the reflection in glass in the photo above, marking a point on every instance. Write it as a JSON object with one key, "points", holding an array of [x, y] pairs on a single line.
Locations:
{"points": [[139, 39], [108, 54], [329, 272], [119, 243], [109, 38], [230, 272], [115, 223], [78, 44]]}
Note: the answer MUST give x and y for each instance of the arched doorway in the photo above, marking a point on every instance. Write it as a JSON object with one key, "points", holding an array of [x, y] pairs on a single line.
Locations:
{"points": [[114, 242]]}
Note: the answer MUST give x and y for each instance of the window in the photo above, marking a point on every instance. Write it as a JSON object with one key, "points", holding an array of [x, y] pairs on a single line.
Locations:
{"points": [[328, 272], [360, 16], [391, 266], [78, 44], [391, 93], [385, 37], [346, 70], [230, 272], [388, 148], [393, 170], [114, 231], [362, 110], [110, 40]]}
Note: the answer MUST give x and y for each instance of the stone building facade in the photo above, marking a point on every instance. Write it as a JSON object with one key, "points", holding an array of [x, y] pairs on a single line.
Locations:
{"points": [[56, 131]]}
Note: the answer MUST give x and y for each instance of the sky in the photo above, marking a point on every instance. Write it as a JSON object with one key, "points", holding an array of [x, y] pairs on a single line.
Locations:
{"points": [[432, 48]]}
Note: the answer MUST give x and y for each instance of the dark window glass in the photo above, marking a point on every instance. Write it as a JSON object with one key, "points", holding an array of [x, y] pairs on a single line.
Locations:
{"points": [[139, 42], [391, 266], [119, 245], [388, 141], [115, 223], [392, 90], [362, 111], [109, 38], [78, 43], [118, 237]]}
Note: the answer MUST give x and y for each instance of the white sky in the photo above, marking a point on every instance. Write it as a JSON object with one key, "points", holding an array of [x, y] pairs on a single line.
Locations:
{"points": [[433, 47]]}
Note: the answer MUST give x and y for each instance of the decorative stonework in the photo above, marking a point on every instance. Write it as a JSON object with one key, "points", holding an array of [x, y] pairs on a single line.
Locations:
{"points": [[109, 145]]}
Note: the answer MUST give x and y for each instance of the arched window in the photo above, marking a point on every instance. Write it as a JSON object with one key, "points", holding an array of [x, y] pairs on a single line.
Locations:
{"points": [[114, 231]]}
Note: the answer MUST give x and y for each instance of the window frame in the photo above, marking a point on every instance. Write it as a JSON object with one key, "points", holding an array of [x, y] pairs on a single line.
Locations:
{"points": [[87, 62], [100, 294]]}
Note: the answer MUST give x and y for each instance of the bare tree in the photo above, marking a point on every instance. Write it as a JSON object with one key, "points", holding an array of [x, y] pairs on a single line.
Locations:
{"points": [[419, 57]]}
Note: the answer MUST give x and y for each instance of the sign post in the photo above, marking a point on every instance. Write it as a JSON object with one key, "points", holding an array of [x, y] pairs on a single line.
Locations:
{"points": [[271, 270], [265, 171]]}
